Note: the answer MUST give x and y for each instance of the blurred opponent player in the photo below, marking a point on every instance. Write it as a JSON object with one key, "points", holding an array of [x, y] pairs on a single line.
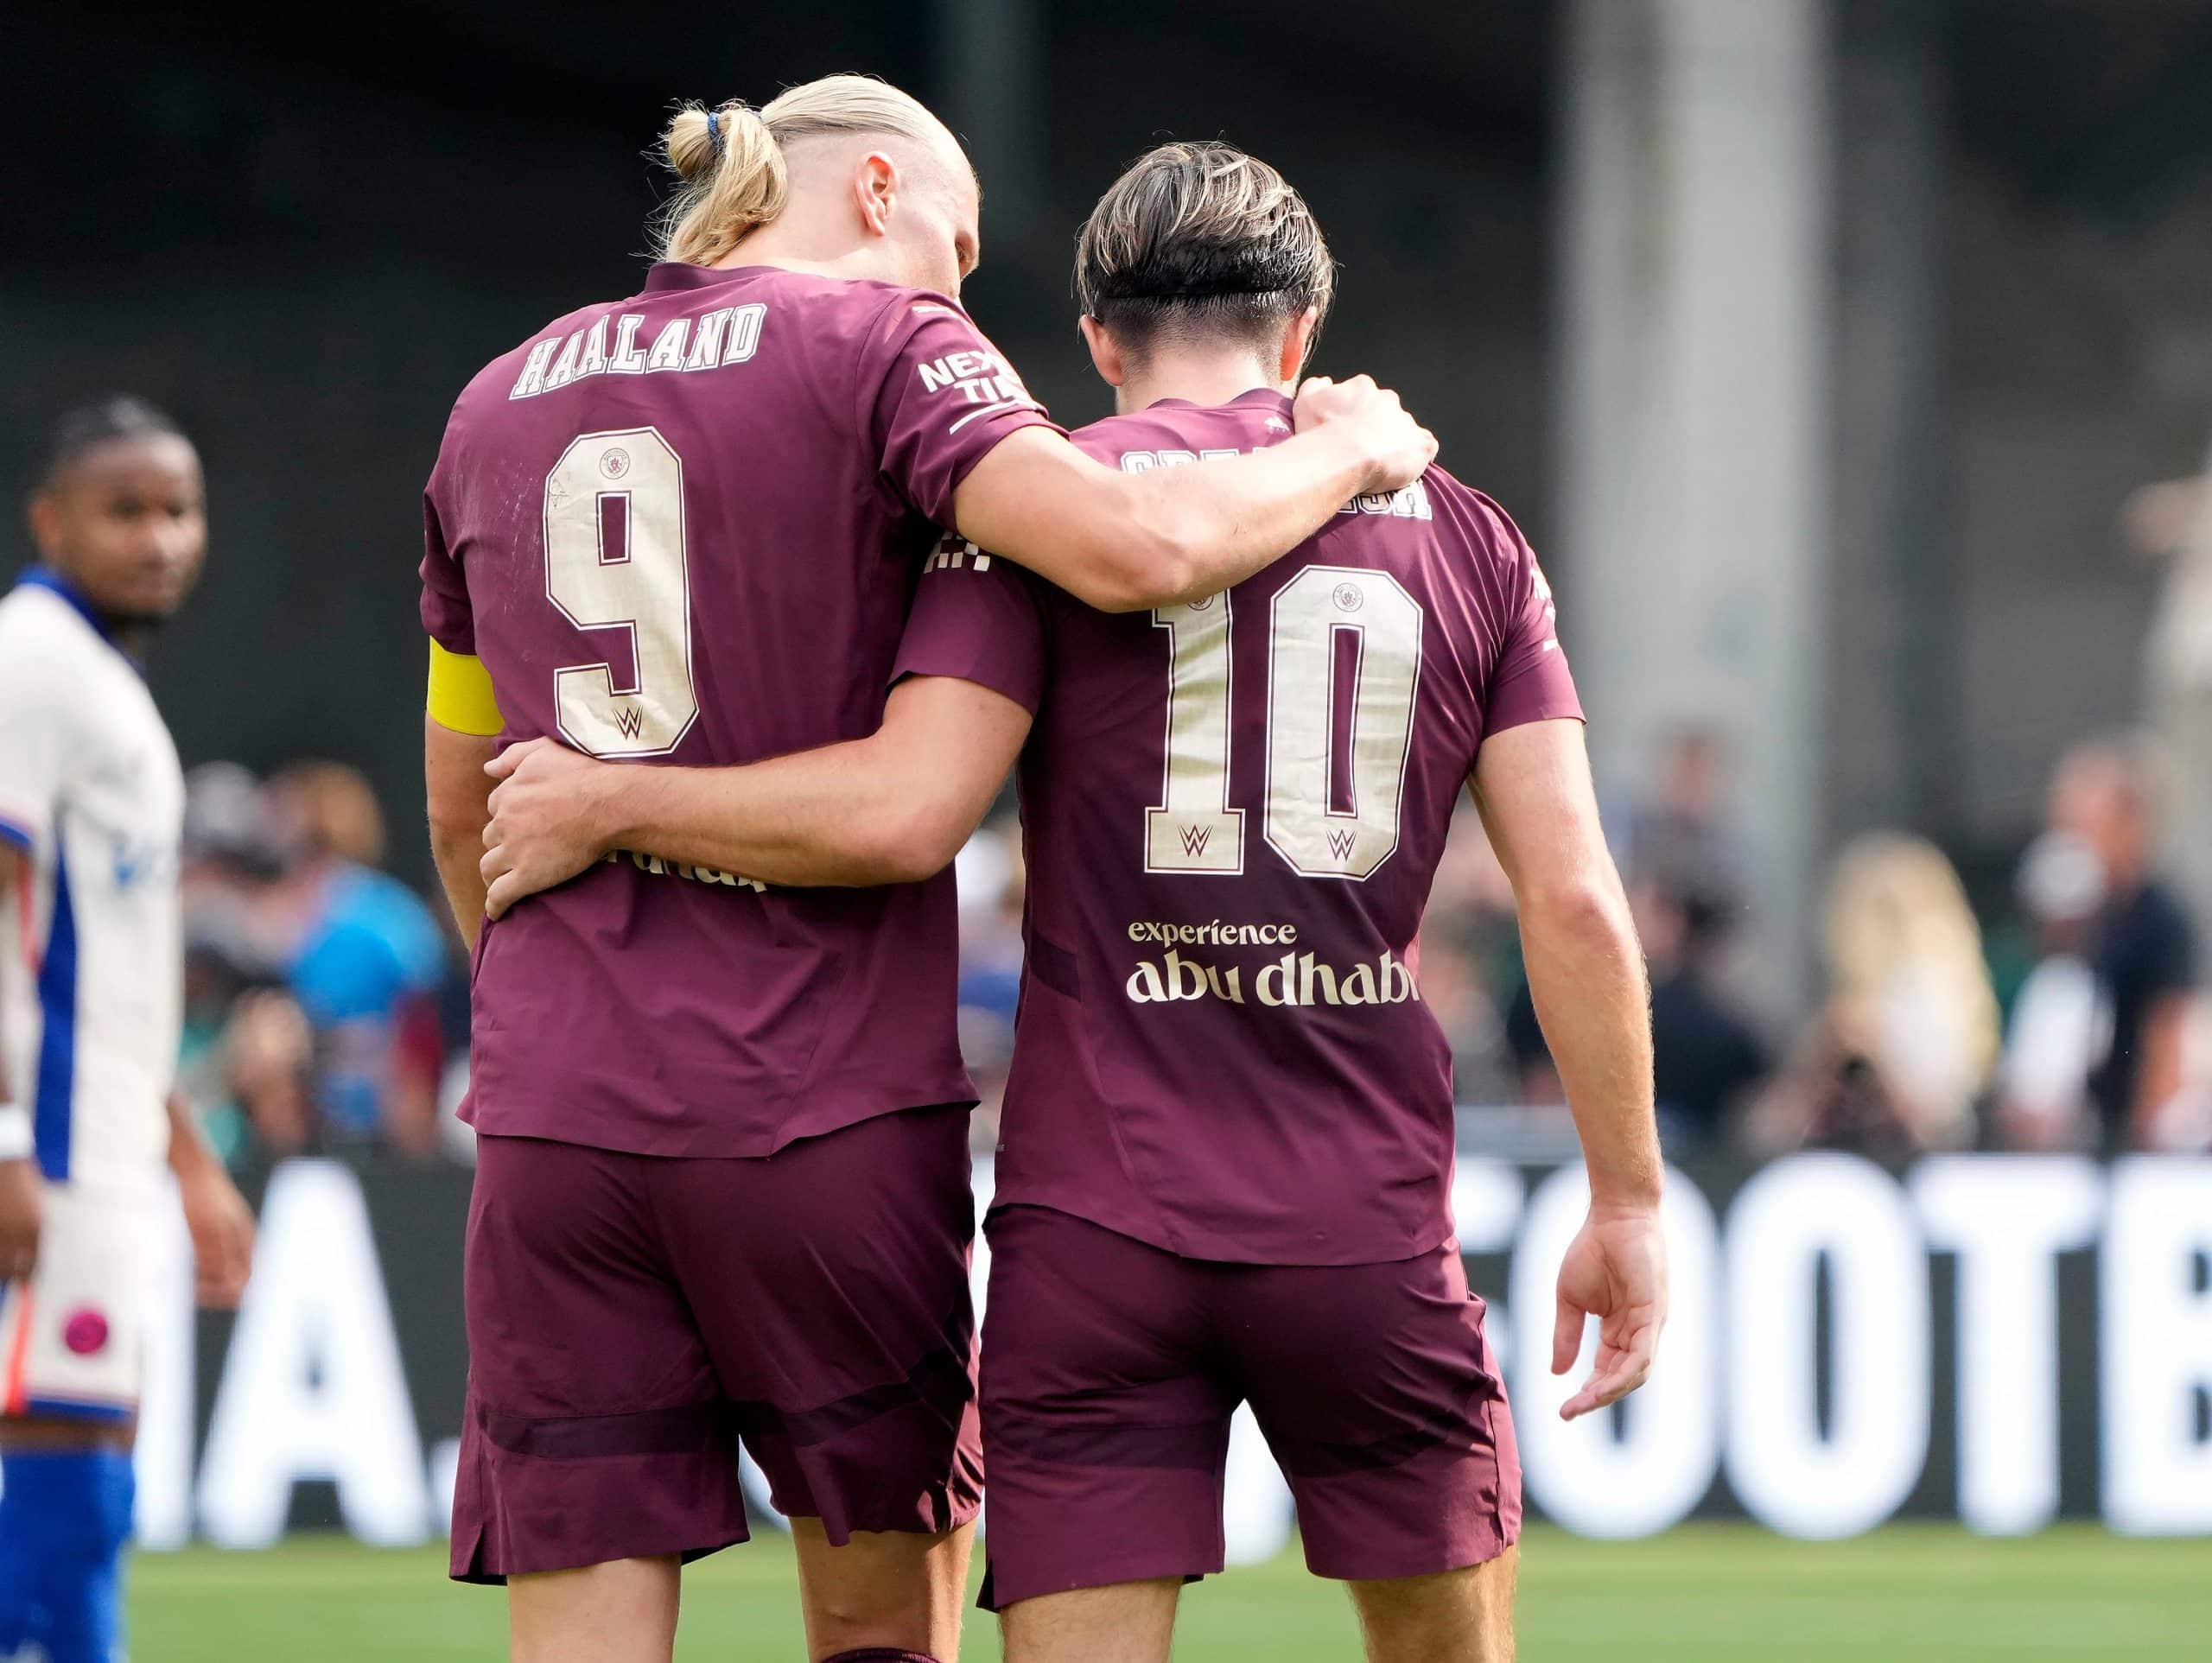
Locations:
{"points": [[723, 1181], [1227, 1148], [91, 809]]}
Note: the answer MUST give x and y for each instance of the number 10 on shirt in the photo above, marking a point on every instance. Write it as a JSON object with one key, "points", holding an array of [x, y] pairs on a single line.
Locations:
{"points": [[1343, 667]]}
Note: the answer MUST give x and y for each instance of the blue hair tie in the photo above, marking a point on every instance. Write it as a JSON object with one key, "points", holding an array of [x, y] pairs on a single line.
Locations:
{"points": [[714, 133]]}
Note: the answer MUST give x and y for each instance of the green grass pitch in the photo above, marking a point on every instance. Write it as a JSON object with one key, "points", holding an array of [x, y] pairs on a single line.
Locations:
{"points": [[1702, 1594]]}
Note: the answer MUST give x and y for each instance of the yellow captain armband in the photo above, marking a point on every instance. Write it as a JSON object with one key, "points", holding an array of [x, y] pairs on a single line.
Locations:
{"points": [[461, 694]]}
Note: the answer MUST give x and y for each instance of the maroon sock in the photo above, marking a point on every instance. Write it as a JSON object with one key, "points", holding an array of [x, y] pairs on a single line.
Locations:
{"points": [[880, 1654]]}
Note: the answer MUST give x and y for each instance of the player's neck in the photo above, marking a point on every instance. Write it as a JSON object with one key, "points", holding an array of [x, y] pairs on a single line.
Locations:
{"points": [[1202, 376], [794, 244]]}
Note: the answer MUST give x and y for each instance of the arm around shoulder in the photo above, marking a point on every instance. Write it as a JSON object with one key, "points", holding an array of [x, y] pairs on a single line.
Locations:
{"points": [[1126, 541]]}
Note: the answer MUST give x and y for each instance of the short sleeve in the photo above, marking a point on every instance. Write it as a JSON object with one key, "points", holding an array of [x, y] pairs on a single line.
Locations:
{"points": [[978, 619], [936, 398], [1529, 681], [446, 611], [34, 742]]}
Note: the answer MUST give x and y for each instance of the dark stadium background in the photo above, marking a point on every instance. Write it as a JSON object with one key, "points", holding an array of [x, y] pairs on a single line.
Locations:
{"points": [[303, 229]]}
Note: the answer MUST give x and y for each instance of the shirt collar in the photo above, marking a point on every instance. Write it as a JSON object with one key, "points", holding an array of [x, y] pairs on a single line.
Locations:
{"points": [[45, 577], [681, 274], [1256, 398]]}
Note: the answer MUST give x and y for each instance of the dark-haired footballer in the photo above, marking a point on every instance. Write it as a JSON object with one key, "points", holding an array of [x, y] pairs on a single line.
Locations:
{"points": [[1227, 1146], [91, 802]]}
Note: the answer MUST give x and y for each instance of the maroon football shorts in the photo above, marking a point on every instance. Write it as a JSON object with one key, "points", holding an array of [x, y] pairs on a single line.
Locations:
{"points": [[1111, 1368], [632, 1318]]}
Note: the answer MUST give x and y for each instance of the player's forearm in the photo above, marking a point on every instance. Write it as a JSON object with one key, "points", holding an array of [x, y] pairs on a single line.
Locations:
{"points": [[459, 796], [1211, 528], [456, 859], [846, 815], [1586, 972], [1126, 541], [190, 1154], [2159, 1075]]}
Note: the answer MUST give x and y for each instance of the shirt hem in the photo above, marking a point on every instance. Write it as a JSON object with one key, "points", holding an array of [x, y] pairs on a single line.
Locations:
{"points": [[1214, 1249], [623, 1133]]}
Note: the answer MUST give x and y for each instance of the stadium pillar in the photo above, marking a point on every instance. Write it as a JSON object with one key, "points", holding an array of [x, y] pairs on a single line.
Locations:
{"points": [[1695, 342], [989, 85], [1894, 632]]}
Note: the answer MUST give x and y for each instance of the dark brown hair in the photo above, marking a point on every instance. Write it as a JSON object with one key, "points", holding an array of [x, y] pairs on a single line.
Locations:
{"points": [[1201, 240]]}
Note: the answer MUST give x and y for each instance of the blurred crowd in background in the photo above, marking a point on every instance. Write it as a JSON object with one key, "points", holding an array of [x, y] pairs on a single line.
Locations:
{"points": [[327, 1006], [326, 1003]]}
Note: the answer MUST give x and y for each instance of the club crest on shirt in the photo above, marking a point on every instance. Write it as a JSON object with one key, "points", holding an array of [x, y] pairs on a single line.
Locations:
{"points": [[84, 1331]]}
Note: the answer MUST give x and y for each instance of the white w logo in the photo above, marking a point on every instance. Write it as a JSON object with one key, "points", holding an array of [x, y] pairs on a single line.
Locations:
{"points": [[630, 719], [1194, 839], [1340, 844]]}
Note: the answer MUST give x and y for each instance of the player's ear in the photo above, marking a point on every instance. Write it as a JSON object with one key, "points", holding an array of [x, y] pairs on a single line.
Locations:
{"points": [[42, 511], [1297, 342], [875, 191], [1105, 355]]}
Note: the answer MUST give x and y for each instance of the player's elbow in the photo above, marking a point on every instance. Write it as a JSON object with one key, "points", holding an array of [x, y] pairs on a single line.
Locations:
{"points": [[457, 820], [1584, 913], [907, 841], [455, 787], [1161, 568], [1150, 559]]}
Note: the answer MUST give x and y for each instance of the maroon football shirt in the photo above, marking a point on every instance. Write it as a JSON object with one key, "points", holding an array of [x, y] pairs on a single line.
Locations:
{"points": [[1233, 810], [686, 527]]}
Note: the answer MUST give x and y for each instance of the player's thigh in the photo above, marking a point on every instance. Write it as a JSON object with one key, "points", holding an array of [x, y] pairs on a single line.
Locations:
{"points": [[901, 1590], [1106, 1411], [595, 1430], [830, 1282], [1124, 1622], [1455, 1616], [1381, 1400], [73, 1336]]}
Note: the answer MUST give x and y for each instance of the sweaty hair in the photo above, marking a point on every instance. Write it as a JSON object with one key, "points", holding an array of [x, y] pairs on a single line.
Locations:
{"points": [[731, 159], [90, 426], [1200, 239]]}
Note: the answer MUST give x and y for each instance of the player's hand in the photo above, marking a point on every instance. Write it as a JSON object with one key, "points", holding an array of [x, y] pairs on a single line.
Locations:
{"points": [[543, 828], [1397, 447], [19, 1220], [1616, 1271], [221, 1225]]}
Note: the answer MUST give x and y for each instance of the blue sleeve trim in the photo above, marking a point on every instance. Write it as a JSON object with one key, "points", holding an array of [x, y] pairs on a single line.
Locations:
{"points": [[55, 1101]]}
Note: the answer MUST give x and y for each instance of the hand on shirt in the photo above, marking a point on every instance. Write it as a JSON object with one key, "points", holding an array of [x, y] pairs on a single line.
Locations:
{"points": [[541, 831], [1399, 449]]}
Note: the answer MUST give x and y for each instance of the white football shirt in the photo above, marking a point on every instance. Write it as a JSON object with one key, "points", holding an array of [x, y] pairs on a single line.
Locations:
{"points": [[91, 790]]}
